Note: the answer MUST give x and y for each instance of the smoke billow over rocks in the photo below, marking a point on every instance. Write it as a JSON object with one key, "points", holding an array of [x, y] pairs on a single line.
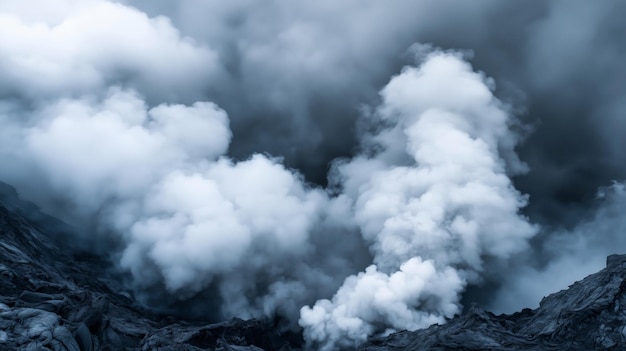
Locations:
{"points": [[247, 159], [431, 204]]}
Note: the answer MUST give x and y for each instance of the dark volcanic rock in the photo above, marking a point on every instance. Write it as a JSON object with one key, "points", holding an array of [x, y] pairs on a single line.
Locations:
{"points": [[52, 298], [590, 315]]}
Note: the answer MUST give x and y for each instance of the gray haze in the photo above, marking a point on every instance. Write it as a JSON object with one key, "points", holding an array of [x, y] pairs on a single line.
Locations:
{"points": [[262, 154]]}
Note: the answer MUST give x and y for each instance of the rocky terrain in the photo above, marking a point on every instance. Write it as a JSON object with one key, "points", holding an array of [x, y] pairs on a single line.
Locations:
{"points": [[590, 315], [53, 298]]}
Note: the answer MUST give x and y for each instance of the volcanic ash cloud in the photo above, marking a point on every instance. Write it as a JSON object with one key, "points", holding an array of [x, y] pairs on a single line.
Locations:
{"points": [[108, 128], [185, 214], [432, 199]]}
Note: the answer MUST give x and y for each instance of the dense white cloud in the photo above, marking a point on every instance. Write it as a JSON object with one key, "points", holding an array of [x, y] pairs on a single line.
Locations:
{"points": [[83, 46], [432, 204], [118, 147], [101, 126], [415, 296], [187, 215]]}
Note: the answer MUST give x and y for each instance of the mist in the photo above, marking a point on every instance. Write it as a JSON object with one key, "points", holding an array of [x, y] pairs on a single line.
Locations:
{"points": [[353, 169]]}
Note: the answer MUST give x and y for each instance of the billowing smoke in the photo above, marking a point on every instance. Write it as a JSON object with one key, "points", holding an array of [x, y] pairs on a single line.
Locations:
{"points": [[152, 183], [53, 48], [254, 159], [186, 215], [431, 204]]}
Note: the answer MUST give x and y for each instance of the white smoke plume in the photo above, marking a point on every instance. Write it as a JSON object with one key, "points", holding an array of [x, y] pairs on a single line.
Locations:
{"points": [[186, 215], [65, 47], [431, 204], [86, 145]]}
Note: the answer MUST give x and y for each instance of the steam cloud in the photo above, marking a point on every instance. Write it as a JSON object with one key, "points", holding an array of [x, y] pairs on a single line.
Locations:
{"points": [[190, 142], [431, 205], [186, 215]]}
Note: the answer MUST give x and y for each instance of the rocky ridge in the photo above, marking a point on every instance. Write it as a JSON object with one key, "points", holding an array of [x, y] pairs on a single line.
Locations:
{"points": [[589, 315], [53, 298]]}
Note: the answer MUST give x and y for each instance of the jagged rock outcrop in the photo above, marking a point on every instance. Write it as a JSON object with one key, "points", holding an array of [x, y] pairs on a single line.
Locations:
{"points": [[590, 315], [52, 298]]}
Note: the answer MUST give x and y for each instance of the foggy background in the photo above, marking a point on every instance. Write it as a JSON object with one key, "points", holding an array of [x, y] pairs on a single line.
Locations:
{"points": [[232, 156]]}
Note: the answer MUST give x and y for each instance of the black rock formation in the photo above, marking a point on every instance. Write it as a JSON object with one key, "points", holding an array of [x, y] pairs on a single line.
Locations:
{"points": [[52, 298], [590, 315]]}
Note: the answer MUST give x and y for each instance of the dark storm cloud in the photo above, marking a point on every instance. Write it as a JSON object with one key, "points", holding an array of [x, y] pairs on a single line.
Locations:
{"points": [[559, 60], [297, 72]]}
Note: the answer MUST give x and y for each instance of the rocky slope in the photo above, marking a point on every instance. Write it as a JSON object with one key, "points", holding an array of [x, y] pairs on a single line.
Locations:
{"points": [[590, 315], [52, 298]]}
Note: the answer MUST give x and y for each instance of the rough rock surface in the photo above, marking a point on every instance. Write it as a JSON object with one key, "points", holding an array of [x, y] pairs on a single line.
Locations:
{"points": [[52, 298], [590, 315]]}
